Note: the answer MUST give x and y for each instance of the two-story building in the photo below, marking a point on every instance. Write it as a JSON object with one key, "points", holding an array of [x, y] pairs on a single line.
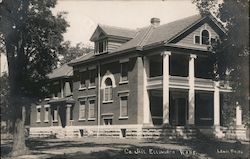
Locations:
{"points": [[152, 81]]}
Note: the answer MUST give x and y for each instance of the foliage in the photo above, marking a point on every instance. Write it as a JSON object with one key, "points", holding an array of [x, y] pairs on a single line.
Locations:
{"points": [[4, 95], [32, 36], [70, 52], [233, 50]]}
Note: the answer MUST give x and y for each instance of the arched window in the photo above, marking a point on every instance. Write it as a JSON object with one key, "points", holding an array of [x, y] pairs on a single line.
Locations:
{"points": [[205, 37], [108, 90]]}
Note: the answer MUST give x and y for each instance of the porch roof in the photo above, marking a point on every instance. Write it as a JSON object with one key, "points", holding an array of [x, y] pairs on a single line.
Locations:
{"points": [[64, 71]]}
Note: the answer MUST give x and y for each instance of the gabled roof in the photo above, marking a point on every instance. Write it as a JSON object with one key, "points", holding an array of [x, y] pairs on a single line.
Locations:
{"points": [[64, 71], [152, 36], [165, 32], [114, 31]]}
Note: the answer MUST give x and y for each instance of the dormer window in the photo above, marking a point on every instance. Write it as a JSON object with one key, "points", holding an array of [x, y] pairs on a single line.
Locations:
{"points": [[101, 46]]}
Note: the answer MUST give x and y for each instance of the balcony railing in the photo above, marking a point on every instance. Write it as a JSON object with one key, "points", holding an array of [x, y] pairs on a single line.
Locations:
{"points": [[180, 82]]}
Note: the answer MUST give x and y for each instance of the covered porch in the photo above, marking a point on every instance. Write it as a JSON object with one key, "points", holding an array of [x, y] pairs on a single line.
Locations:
{"points": [[179, 90]]}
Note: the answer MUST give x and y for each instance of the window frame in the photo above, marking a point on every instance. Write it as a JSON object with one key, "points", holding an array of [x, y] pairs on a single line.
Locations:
{"points": [[92, 76], [108, 89], [122, 71], [80, 109], [202, 37], [83, 77], [104, 43], [198, 38], [93, 109], [122, 95]]}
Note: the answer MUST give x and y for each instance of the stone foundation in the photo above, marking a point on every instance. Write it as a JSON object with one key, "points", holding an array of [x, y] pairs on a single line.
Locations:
{"points": [[130, 131]]}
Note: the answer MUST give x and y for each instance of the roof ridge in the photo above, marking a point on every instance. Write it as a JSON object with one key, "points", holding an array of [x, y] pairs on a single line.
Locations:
{"points": [[117, 27]]}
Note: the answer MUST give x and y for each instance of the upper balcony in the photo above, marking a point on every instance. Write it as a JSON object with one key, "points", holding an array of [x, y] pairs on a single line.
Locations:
{"points": [[179, 65]]}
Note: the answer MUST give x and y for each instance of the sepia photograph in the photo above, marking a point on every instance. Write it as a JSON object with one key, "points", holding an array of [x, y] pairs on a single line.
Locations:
{"points": [[124, 79]]}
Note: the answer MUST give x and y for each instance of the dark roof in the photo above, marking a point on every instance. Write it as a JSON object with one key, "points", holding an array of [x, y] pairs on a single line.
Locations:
{"points": [[62, 72], [165, 32], [150, 35], [82, 58], [115, 31]]}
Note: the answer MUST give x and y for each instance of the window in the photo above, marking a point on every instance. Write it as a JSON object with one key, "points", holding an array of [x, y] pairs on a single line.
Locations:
{"points": [[54, 114], [197, 39], [92, 76], [91, 108], [38, 114], [82, 110], [123, 106], [124, 72], [205, 37], [213, 41], [82, 79], [108, 90], [101, 46], [107, 121]]}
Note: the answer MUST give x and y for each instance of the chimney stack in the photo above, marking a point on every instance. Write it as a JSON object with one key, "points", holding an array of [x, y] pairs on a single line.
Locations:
{"points": [[155, 22]]}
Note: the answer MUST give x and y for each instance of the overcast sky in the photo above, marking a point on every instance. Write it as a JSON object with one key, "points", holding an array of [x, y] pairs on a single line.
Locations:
{"points": [[84, 16]]}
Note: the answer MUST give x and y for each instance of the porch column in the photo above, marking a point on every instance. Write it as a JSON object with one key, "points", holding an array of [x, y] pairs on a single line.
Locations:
{"points": [[68, 106], [146, 108], [191, 94], [216, 104], [238, 115], [165, 86]]}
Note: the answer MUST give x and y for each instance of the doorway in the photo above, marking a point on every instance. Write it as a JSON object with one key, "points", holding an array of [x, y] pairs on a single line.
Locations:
{"points": [[178, 109]]}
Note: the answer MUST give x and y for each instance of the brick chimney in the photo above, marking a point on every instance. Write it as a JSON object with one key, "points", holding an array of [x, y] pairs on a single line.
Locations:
{"points": [[155, 22]]}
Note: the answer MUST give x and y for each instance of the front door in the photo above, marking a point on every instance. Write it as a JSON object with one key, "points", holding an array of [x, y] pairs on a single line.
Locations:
{"points": [[178, 111], [181, 109]]}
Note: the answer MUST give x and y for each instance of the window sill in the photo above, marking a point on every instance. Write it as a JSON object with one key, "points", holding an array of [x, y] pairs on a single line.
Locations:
{"points": [[91, 119], [123, 82], [81, 119], [123, 117], [82, 88], [109, 101], [91, 87]]}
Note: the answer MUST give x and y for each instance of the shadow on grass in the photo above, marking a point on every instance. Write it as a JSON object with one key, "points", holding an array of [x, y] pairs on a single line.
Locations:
{"points": [[196, 148], [211, 147]]}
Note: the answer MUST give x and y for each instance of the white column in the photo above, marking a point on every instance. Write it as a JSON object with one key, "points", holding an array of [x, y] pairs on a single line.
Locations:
{"points": [[238, 115], [165, 86], [216, 104], [68, 106], [146, 107], [191, 94]]}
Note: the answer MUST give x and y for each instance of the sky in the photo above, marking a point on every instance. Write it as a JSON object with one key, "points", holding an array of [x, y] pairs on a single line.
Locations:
{"points": [[84, 16]]}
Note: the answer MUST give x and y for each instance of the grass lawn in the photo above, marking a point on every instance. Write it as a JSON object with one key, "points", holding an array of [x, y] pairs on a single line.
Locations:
{"points": [[104, 148]]}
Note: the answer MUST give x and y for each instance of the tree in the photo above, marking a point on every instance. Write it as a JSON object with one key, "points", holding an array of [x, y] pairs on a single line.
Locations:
{"points": [[233, 50], [70, 52], [33, 37]]}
